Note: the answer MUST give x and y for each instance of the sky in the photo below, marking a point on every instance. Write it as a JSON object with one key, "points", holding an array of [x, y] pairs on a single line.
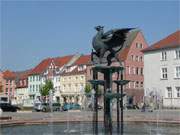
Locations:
{"points": [[33, 30]]}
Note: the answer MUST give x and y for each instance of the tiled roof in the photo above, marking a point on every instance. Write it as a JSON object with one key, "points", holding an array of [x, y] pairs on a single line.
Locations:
{"points": [[9, 74], [58, 61], [171, 41], [73, 72], [23, 74], [83, 60], [130, 38]]}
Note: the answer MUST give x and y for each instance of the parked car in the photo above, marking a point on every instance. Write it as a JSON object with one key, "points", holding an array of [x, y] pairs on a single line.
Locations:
{"points": [[91, 107], [71, 106], [76, 106], [45, 107], [7, 107], [66, 107]]}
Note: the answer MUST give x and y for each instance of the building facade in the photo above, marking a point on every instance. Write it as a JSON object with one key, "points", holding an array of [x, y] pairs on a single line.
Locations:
{"points": [[162, 71], [21, 91], [73, 80], [9, 83], [133, 61], [1, 83], [48, 69]]}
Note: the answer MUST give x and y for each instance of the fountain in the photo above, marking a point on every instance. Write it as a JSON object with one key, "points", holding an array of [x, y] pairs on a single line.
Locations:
{"points": [[107, 46]]}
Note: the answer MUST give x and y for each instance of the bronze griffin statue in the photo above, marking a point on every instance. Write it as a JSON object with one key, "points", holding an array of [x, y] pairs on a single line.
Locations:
{"points": [[107, 45]]}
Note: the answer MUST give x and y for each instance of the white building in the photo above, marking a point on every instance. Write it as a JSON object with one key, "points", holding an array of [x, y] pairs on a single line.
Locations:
{"points": [[51, 69], [162, 71]]}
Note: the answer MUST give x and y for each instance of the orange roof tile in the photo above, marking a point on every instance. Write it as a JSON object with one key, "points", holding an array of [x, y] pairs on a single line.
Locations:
{"points": [[73, 72], [58, 61], [23, 74], [171, 41], [9, 74], [83, 60]]}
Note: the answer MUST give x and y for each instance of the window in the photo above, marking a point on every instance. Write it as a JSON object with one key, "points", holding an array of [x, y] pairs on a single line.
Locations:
{"points": [[132, 57], [141, 46], [137, 45], [33, 88], [37, 78], [37, 87], [137, 71], [141, 71], [164, 73], [141, 84], [169, 92], [137, 84], [163, 56], [177, 72], [6, 90], [127, 70], [129, 84], [177, 54], [30, 79], [141, 59], [178, 91], [137, 58], [30, 87]]}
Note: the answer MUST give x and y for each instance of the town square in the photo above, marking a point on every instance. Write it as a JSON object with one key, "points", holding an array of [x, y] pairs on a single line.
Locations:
{"points": [[90, 67]]}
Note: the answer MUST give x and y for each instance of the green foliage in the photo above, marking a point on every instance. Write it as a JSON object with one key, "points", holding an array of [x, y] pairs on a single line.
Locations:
{"points": [[87, 88], [44, 90]]}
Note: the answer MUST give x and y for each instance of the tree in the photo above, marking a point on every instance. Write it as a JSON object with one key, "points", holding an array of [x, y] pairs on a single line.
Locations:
{"points": [[44, 90], [87, 88]]}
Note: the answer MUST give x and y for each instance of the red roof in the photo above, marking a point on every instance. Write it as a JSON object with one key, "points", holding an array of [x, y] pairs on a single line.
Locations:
{"points": [[171, 41], [23, 74], [83, 60], [58, 61], [73, 72], [9, 74]]}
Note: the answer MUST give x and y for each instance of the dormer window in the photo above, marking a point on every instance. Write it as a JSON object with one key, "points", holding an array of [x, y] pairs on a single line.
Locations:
{"points": [[80, 68], [45, 73]]}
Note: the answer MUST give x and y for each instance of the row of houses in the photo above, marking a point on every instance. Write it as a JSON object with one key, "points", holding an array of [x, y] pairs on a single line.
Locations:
{"points": [[159, 64]]}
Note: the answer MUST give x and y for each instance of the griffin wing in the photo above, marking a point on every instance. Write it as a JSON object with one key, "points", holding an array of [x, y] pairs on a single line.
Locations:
{"points": [[118, 38]]}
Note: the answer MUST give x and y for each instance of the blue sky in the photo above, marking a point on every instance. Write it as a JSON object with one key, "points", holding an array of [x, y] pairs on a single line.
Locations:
{"points": [[32, 30]]}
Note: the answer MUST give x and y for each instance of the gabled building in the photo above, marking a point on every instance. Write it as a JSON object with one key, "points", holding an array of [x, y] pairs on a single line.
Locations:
{"points": [[9, 83], [73, 80], [133, 61], [162, 70], [21, 91], [49, 68]]}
